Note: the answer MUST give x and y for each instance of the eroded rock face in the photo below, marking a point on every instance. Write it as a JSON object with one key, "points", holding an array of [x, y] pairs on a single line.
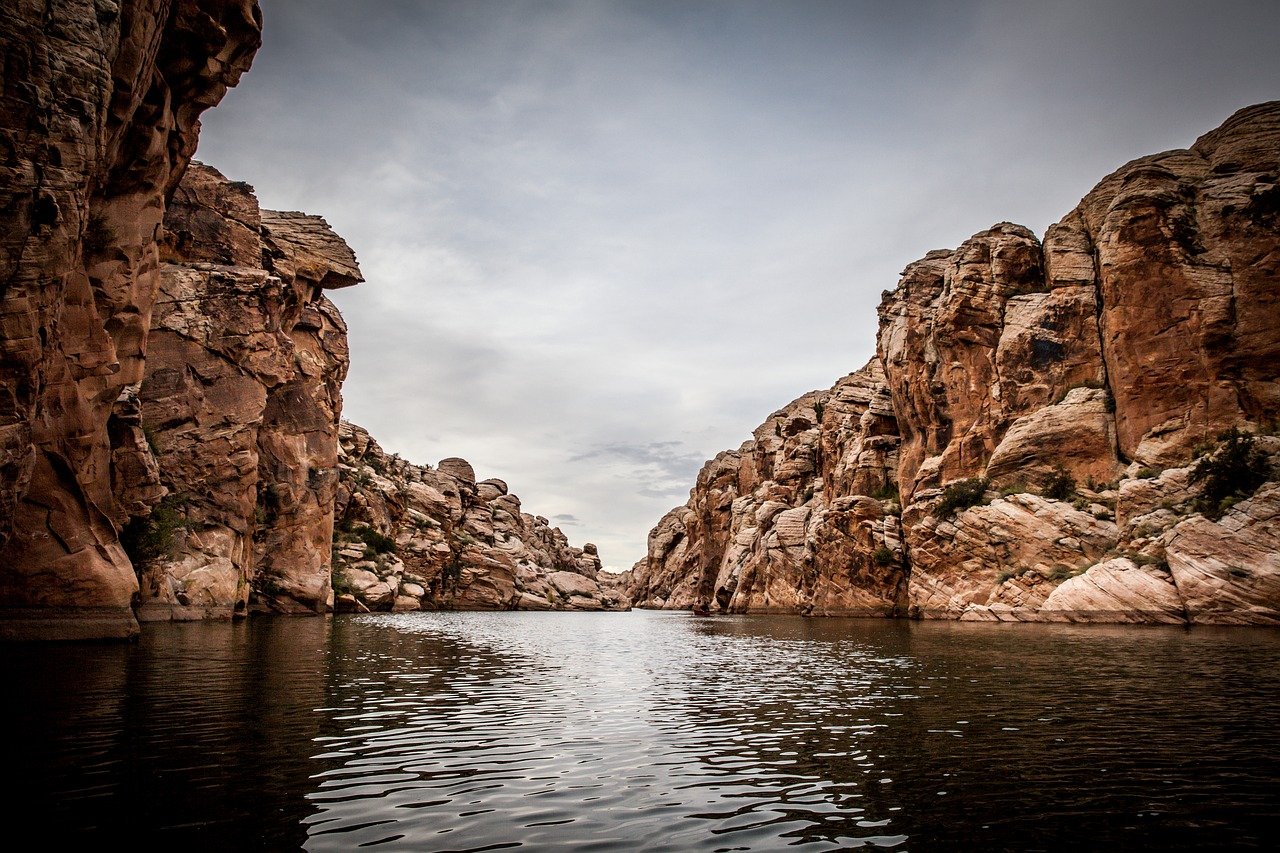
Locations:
{"points": [[241, 403], [1077, 378], [99, 109], [784, 524], [412, 537]]}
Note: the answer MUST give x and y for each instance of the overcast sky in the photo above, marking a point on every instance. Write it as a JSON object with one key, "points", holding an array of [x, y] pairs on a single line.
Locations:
{"points": [[604, 240]]}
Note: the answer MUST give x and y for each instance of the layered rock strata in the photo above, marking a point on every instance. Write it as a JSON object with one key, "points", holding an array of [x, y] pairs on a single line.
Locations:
{"points": [[99, 109], [1069, 386], [241, 405], [412, 537]]}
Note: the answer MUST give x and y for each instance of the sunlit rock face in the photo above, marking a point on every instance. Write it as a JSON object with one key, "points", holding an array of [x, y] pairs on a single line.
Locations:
{"points": [[241, 404], [1080, 378], [99, 112], [412, 537]]}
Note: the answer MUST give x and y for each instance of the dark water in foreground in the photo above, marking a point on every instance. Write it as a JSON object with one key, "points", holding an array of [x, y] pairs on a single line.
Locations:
{"points": [[476, 731]]}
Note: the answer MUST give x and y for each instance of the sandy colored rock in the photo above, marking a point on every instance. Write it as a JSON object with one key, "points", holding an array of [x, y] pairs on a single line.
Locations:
{"points": [[1228, 571], [467, 545], [304, 247], [1143, 325], [1010, 553], [1116, 591], [241, 403], [767, 528], [1076, 434]]}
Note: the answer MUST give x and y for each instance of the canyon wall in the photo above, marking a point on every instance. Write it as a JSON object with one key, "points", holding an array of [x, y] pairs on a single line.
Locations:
{"points": [[1075, 429], [412, 537], [171, 369], [99, 109], [240, 406]]}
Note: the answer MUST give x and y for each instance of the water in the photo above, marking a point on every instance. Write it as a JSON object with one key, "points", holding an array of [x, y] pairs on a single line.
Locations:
{"points": [[647, 731]]}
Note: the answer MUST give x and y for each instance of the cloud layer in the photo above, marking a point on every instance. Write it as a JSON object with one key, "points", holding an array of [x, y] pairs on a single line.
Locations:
{"points": [[604, 240]]}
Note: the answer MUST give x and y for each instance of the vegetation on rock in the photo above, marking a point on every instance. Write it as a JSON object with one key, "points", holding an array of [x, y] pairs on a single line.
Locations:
{"points": [[152, 537], [1061, 485], [1229, 473], [961, 495]]}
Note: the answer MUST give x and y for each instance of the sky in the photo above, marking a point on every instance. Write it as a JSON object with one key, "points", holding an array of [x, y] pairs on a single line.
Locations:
{"points": [[603, 241]]}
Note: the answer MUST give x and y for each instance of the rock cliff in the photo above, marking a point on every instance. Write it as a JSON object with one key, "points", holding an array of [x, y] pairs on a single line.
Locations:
{"points": [[411, 537], [171, 370], [1074, 429], [99, 115], [240, 406]]}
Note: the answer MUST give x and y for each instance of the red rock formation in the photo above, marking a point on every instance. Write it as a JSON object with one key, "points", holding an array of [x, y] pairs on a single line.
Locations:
{"points": [[241, 403], [1146, 323], [784, 524], [99, 109], [410, 537]]}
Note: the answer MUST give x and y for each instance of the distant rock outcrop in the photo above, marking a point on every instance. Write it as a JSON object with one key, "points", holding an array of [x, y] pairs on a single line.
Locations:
{"points": [[1038, 433], [410, 537], [99, 112]]}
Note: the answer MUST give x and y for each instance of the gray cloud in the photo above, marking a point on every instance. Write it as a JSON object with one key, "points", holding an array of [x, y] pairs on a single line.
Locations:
{"points": [[658, 469], [604, 240]]}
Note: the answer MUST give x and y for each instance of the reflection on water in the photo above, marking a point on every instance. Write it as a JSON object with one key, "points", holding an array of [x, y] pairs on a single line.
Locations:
{"points": [[475, 731]]}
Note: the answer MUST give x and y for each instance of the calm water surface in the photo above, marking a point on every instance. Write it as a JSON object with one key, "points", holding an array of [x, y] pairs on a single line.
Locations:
{"points": [[647, 731]]}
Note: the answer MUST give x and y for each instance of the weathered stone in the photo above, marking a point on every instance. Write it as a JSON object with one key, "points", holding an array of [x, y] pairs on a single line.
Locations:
{"points": [[1143, 325], [1116, 591], [241, 401], [766, 528], [1228, 571], [99, 113], [467, 545]]}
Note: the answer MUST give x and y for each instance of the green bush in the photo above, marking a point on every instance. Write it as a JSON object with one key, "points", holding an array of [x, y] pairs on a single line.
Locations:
{"points": [[883, 556], [887, 492], [378, 542], [341, 583], [960, 496], [1061, 485], [1230, 473], [152, 537]]}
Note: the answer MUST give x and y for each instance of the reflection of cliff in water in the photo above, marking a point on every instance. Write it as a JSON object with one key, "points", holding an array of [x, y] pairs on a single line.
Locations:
{"points": [[649, 731], [198, 732], [954, 734]]}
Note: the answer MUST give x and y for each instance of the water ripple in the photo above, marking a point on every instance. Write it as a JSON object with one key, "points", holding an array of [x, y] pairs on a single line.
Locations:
{"points": [[650, 731]]}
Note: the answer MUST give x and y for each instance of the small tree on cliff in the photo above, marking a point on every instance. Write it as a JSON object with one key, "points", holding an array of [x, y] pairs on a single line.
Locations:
{"points": [[1230, 473]]}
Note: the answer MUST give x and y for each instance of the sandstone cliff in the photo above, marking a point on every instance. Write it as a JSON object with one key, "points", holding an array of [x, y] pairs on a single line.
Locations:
{"points": [[1040, 431], [99, 108], [411, 537], [240, 406]]}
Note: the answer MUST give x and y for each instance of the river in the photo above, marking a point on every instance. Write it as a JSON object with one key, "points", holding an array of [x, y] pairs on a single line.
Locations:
{"points": [[647, 731]]}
